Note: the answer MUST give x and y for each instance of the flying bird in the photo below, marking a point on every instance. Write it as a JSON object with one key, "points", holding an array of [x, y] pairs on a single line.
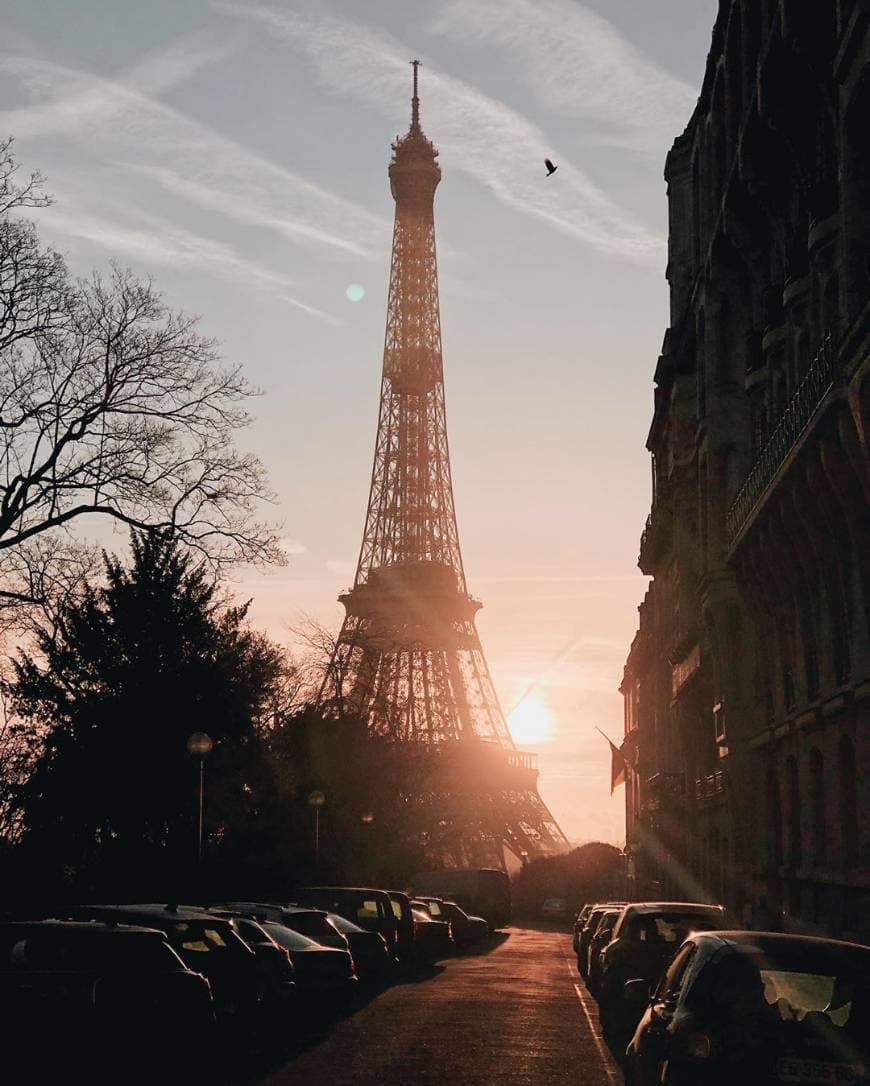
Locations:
{"points": [[551, 169]]}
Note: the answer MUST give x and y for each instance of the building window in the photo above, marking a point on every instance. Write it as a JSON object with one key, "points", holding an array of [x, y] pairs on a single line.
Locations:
{"points": [[841, 618], [847, 783], [808, 637], [818, 807], [794, 811], [774, 821]]}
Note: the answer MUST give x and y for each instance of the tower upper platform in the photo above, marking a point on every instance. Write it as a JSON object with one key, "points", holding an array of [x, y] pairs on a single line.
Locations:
{"points": [[414, 170]]}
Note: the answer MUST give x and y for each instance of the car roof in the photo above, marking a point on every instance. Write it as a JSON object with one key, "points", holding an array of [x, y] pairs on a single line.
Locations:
{"points": [[342, 890], [672, 906], [770, 940], [90, 927]]}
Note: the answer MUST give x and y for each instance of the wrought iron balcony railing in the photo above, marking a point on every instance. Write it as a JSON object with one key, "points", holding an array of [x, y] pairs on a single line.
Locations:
{"points": [[710, 787], [794, 420]]}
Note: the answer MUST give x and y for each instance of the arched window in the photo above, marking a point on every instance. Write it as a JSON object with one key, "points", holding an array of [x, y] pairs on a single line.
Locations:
{"points": [[794, 811], [818, 809], [701, 362], [774, 821], [808, 627], [848, 801]]}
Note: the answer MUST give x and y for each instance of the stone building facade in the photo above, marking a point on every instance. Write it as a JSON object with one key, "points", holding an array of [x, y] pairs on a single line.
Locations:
{"points": [[747, 686]]}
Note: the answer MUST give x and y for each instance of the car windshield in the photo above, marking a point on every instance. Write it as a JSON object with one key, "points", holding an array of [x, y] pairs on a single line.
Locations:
{"points": [[197, 936], [799, 1001], [346, 927], [606, 921], [287, 937], [670, 928], [313, 924]]}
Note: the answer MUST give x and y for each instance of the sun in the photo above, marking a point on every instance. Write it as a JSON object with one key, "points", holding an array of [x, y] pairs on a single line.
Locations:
{"points": [[531, 721]]}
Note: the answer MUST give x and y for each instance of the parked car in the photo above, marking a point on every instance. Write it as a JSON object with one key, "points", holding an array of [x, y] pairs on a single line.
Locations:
{"points": [[463, 928], [371, 955], [97, 991], [600, 939], [432, 938], [579, 922], [752, 1007], [404, 938], [314, 923], [556, 908], [277, 987], [645, 938], [206, 944], [322, 973], [371, 909], [585, 937]]}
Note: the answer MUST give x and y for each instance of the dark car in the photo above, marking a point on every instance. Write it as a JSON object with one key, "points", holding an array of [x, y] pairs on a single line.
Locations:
{"points": [[602, 936], [371, 955], [371, 909], [755, 1008], [646, 937], [314, 923], [579, 922], [404, 920], [585, 937], [432, 938], [464, 928], [277, 988], [97, 991], [322, 973], [206, 943]]}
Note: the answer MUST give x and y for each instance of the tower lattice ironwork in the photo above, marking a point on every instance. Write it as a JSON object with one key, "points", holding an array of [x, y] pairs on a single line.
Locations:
{"points": [[408, 659]]}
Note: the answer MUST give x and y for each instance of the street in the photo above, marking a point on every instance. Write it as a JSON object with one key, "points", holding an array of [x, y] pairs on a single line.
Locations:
{"points": [[516, 1012]]}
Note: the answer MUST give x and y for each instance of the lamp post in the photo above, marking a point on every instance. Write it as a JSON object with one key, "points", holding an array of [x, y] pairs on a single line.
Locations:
{"points": [[316, 800], [199, 744]]}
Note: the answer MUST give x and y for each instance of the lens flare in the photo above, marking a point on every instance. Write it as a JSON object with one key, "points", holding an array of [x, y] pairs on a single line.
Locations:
{"points": [[355, 292], [531, 721]]}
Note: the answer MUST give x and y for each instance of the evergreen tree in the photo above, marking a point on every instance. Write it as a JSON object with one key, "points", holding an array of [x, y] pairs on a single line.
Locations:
{"points": [[114, 690]]}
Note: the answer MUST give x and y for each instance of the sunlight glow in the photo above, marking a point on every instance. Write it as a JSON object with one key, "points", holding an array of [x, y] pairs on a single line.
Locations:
{"points": [[531, 721]]}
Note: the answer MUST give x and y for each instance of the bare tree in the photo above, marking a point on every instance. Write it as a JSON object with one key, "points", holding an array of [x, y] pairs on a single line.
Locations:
{"points": [[317, 649], [112, 405]]}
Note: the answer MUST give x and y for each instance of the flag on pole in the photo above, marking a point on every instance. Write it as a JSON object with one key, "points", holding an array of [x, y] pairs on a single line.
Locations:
{"points": [[618, 764]]}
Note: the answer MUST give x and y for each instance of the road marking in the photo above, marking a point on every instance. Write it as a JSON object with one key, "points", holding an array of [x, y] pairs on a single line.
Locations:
{"points": [[610, 1068]]}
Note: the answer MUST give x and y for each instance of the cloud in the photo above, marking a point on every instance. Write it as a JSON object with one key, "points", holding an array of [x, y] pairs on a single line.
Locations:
{"points": [[119, 124], [340, 567], [497, 146], [158, 241], [578, 64], [292, 547]]}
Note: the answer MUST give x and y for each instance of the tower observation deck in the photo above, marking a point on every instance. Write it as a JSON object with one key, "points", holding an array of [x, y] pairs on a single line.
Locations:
{"points": [[408, 659]]}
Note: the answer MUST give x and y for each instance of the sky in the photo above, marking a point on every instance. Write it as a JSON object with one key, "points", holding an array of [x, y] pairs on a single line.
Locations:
{"points": [[237, 152]]}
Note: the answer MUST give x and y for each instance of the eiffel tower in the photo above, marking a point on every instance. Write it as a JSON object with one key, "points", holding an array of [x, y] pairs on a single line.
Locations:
{"points": [[408, 660]]}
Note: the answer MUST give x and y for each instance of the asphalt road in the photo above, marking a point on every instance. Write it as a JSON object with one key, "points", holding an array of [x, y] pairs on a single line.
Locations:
{"points": [[516, 1013]]}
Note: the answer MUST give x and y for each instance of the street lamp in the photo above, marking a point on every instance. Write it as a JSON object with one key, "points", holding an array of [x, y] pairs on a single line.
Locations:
{"points": [[199, 744], [316, 800]]}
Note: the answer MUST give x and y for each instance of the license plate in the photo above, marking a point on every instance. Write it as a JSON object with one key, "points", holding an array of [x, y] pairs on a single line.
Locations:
{"points": [[817, 1072]]}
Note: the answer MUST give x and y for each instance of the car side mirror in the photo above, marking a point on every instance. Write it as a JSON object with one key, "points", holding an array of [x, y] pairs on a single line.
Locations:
{"points": [[636, 992]]}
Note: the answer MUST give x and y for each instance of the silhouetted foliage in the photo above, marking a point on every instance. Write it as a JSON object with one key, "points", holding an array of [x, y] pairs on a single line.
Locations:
{"points": [[112, 692], [591, 872], [110, 404]]}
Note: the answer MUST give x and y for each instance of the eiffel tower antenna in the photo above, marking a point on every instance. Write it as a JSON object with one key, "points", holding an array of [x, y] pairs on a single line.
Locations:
{"points": [[415, 101], [408, 660]]}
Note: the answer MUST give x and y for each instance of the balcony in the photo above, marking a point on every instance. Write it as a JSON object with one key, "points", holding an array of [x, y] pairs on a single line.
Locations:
{"points": [[808, 397], [656, 531], [664, 791], [710, 788]]}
